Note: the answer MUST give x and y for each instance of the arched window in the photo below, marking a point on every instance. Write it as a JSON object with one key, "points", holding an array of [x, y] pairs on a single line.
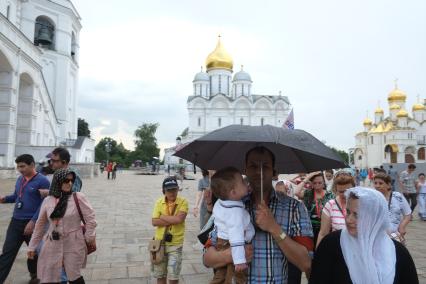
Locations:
{"points": [[8, 12], [241, 121], [44, 33], [199, 121], [219, 122], [73, 46], [262, 120]]}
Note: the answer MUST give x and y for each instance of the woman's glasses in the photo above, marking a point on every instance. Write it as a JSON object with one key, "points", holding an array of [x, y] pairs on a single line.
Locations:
{"points": [[68, 180]]}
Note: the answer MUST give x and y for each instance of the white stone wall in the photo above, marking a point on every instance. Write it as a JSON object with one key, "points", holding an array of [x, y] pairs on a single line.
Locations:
{"points": [[208, 115], [220, 81], [38, 87]]}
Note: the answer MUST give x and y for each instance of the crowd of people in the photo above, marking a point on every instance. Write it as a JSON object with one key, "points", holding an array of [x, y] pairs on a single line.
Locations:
{"points": [[254, 227], [53, 218], [323, 224]]}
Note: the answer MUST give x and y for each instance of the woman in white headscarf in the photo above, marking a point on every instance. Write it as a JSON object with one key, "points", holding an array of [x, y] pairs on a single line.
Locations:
{"points": [[363, 252]]}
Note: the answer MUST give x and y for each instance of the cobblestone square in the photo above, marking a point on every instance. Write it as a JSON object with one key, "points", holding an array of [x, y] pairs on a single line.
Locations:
{"points": [[123, 212]]}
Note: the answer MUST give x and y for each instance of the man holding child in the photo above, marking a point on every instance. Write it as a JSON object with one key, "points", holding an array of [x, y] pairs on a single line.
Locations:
{"points": [[283, 232]]}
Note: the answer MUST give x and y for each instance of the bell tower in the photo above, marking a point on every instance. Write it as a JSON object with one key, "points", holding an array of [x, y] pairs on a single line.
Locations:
{"points": [[54, 26]]}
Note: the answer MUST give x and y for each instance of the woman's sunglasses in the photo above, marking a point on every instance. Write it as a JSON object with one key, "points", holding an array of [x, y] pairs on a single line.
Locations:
{"points": [[68, 180]]}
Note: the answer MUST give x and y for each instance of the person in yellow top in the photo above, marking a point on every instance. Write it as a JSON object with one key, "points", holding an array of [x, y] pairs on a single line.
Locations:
{"points": [[169, 217]]}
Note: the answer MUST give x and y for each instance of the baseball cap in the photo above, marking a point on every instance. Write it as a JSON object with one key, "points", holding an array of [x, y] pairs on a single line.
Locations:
{"points": [[170, 183]]}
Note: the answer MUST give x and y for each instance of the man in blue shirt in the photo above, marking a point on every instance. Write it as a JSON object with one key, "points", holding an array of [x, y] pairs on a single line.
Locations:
{"points": [[27, 199]]}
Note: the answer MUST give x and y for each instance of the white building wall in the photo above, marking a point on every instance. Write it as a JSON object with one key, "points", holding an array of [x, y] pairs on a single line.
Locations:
{"points": [[38, 87]]}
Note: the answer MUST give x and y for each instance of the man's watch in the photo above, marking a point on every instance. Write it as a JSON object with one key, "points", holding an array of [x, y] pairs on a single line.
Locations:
{"points": [[280, 237]]}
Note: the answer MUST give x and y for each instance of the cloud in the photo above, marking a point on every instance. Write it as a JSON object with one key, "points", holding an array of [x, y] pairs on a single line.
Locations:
{"points": [[334, 60]]}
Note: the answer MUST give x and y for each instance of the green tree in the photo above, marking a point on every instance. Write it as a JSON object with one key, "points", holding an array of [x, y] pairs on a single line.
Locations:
{"points": [[118, 153], [83, 128], [146, 142], [343, 154]]}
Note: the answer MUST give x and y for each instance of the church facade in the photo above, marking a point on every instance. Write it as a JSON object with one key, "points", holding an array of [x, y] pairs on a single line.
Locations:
{"points": [[221, 98], [399, 137], [39, 55]]}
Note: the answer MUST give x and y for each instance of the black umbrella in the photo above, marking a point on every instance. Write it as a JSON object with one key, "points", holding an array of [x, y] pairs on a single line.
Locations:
{"points": [[296, 151]]}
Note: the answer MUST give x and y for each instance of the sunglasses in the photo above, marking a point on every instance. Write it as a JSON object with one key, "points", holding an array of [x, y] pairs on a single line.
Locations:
{"points": [[68, 180]]}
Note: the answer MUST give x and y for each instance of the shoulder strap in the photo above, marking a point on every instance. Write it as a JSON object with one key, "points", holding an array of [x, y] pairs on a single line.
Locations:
{"points": [[168, 227], [338, 206], [78, 207]]}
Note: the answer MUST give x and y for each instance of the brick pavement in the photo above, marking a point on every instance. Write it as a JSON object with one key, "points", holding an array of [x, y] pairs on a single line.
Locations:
{"points": [[123, 210]]}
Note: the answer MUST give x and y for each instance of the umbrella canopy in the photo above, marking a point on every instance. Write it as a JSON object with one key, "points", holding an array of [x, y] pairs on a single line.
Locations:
{"points": [[296, 151]]}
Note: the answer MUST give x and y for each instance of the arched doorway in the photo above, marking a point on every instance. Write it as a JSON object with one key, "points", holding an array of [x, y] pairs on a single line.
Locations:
{"points": [[421, 154], [409, 159], [410, 151], [391, 153], [25, 110]]}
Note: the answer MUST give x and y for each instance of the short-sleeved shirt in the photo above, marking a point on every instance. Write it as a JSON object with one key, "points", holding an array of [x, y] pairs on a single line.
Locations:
{"points": [[203, 183], [178, 230], [409, 181], [337, 217], [422, 189], [311, 205], [399, 208], [269, 264]]}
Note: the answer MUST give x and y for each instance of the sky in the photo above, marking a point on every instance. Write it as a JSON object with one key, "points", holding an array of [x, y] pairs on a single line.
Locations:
{"points": [[334, 59]]}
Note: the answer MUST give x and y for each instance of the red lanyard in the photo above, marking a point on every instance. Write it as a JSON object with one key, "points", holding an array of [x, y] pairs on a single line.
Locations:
{"points": [[317, 208], [24, 184]]}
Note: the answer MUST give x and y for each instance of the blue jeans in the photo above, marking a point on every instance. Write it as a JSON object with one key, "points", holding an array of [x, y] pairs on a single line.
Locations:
{"points": [[14, 239]]}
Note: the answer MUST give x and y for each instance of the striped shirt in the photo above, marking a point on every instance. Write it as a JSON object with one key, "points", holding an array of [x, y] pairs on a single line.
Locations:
{"points": [[336, 216], [269, 265], [409, 181]]}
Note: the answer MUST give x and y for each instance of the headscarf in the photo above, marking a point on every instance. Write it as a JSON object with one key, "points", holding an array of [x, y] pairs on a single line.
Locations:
{"points": [[56, 190], [370, 256]]}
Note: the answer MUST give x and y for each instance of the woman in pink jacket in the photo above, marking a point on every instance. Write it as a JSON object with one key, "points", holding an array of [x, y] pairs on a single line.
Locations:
{"points": [[64, 242]]}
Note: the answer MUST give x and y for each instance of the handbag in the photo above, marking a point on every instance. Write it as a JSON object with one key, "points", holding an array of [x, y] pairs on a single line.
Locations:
{"points": [[90, 248], [157, 248], [204, 234]]}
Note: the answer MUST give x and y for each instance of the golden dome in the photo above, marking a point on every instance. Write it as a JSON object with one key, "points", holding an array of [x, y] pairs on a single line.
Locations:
{"points": [[395, 107], [367, 121], [402, 113], [396, 95], [418, 106], [219, 58], [379, 111]]}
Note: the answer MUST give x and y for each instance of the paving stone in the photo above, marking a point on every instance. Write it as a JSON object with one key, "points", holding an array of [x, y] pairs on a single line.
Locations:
{"points": [[123, 209]]}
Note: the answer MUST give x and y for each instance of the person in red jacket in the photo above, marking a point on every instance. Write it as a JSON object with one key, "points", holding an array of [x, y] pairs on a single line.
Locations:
{"points": [[109, 169]]}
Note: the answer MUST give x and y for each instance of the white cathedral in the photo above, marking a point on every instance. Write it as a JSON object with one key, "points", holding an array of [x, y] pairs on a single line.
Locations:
{"points": [[221, 98], [397, 138], [39, 64]]}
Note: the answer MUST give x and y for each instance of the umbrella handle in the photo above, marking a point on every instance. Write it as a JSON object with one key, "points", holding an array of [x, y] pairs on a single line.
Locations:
{"points": [[261, 181]]}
